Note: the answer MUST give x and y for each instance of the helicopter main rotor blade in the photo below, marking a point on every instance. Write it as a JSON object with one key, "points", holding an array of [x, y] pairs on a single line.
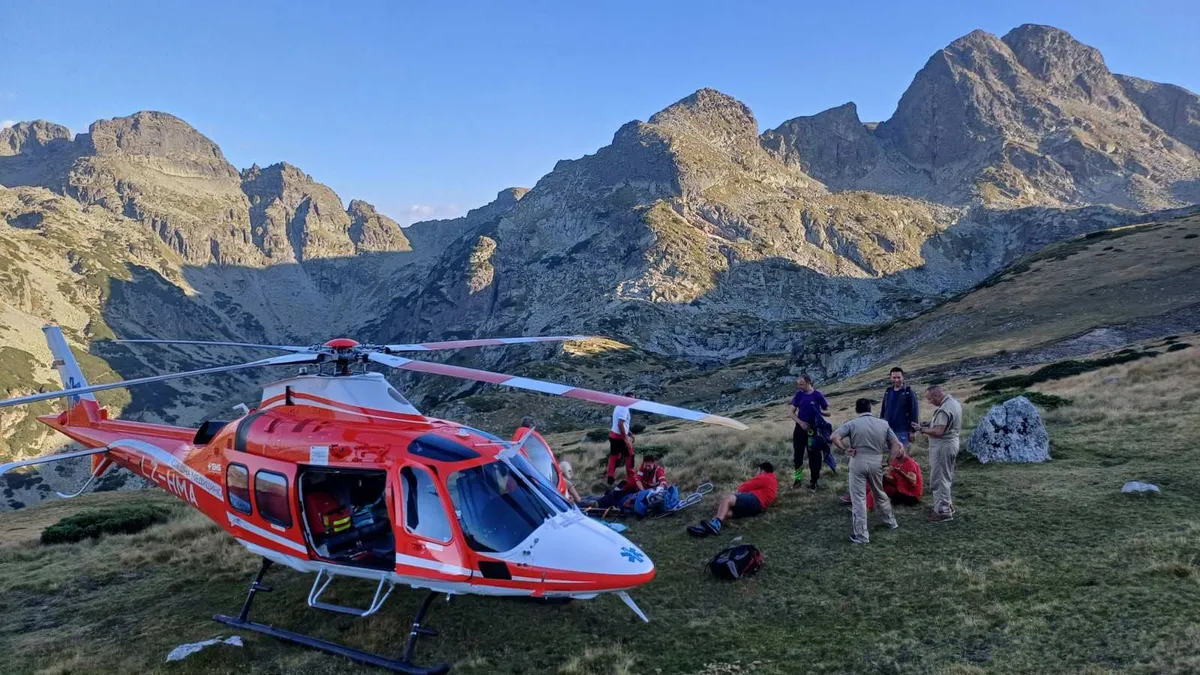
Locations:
{"points": [[284, 348], [481, 342], [544, 387], [273, 361]]}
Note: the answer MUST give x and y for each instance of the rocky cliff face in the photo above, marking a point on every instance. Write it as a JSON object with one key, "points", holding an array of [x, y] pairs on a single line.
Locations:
{"points": [[1034, 117]]}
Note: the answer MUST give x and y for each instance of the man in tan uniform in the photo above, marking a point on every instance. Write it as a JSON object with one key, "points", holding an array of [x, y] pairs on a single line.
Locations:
{"points": [[943, 430], [865, 439]]}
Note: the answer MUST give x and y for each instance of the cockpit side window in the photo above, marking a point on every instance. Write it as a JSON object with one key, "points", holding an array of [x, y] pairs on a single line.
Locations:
{"points": [[541, 458], [424, 514]]}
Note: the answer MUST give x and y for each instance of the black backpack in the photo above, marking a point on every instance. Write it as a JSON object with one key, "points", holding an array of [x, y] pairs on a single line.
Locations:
{"points": [[736, 562]]}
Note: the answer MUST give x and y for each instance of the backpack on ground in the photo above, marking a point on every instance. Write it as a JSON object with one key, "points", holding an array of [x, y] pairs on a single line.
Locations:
{"points": [[736, 562]]}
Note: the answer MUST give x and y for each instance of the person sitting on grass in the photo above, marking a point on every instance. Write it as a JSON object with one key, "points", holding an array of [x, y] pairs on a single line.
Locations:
{"points": [[751, 499], [568, 473], [902, 481], [651, 474]]}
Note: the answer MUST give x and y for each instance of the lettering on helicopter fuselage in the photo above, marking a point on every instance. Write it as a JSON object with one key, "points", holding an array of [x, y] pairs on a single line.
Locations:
{"points": [[169, 480], [168, 471]]}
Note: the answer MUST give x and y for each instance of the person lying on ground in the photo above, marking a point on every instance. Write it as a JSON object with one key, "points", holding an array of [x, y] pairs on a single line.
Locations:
{"points": [[651, 474], [751, 499]]}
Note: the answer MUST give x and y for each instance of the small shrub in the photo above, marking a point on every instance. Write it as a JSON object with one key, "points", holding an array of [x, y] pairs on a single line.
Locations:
{"points": [[1178, 346], [597, 435], [92, 524], [1044, 401], [1064, 369]]}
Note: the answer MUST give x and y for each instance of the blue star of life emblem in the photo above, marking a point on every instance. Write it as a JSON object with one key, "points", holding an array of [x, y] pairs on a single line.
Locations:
{"points": [[632, 554]]}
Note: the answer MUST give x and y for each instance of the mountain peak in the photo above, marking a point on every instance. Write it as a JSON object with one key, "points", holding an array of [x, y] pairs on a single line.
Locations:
{"points": [[32, 137], [1070, 67], [159, 135], [707, 111]]}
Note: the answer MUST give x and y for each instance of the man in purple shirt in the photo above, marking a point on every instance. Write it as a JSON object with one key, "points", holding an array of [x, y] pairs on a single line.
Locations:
{"points": [[809, 410]]}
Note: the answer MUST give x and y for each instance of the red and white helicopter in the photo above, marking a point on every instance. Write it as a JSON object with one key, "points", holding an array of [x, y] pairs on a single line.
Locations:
{"points": [[336, 474]]}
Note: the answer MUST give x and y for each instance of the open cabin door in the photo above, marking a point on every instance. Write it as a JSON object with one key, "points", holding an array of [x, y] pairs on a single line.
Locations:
{"points": [[428, 544], [262, 505]]}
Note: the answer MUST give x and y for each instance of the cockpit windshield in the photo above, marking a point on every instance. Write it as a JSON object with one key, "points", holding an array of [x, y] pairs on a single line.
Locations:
{"points": [[499, 504]]}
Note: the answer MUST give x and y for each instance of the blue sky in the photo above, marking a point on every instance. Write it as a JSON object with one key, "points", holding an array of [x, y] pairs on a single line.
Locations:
{"points": [[429, 109]]}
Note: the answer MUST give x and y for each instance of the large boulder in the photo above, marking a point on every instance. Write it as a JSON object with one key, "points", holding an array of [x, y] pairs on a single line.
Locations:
{"points": [[1011, 432]]}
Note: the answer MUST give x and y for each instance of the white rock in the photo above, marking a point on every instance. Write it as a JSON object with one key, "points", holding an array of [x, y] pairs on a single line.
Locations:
{"points": [[1135, 486], [183, 651], [1011, 432]]}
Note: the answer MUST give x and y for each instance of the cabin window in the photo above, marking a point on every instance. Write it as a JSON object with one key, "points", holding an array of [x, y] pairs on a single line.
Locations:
{"points": [[237, 484], [271, 493], [424, 514]]}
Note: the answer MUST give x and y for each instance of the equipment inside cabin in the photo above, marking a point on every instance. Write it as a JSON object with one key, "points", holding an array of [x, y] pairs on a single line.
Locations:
{"points": [[347, 518]]}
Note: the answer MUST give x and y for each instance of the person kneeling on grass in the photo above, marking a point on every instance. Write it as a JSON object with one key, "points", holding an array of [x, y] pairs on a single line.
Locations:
{"points": [[751, 499], [902, 481]]}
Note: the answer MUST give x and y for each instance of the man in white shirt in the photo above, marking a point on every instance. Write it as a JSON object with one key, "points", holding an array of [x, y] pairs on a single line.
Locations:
{"points": [[620, 444]]}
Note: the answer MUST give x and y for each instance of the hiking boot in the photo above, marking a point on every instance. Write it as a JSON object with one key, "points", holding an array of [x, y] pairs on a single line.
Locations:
{"points": [[812, 487], [939, 517], [698, 531], [797, 483], [855, 539], [713, 526]]}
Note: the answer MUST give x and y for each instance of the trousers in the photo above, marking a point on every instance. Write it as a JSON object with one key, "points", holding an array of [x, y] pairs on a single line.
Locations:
{"points": [[867, 474], [942, 455]]}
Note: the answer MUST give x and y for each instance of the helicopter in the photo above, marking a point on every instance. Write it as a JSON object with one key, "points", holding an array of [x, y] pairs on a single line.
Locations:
{"points": [[336, 474]]}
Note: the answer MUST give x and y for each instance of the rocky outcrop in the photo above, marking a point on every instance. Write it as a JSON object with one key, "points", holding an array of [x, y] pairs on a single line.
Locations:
{"points": [[1033, 118], [1011, 432], [371, 231], [834, 146], [1174, 109]]}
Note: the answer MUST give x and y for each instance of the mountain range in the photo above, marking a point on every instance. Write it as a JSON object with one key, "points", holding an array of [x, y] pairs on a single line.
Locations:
{"points": [[692, 235]]}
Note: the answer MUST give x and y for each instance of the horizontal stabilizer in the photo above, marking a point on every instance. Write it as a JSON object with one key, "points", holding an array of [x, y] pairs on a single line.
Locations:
{"points": [[5, 468]]}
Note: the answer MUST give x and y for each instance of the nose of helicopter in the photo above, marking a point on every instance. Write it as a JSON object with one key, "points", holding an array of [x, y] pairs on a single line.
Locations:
{"points": [[583, 546]]}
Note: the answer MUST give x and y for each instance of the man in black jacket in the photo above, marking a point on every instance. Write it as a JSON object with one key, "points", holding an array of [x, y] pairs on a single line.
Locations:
{"points": [[900, 406]]}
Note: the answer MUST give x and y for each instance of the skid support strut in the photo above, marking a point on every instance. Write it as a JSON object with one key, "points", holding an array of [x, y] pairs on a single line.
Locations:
{"points": [[404, 665]]}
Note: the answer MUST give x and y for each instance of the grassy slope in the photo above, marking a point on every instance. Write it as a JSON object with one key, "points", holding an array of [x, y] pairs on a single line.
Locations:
{"points": [[1125, 274], [1048, 569]]}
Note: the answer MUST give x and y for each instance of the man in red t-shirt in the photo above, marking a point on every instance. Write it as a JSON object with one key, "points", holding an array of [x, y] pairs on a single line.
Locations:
{"points": [[752, 498], [651, 474], [902, 481]]}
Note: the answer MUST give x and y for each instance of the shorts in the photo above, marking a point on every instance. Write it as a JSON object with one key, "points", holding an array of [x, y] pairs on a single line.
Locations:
{"points": [[617, 446], [746, 505]]}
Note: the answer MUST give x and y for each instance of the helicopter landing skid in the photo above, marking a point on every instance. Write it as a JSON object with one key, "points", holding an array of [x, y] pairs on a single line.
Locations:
{"points": [[404, 665]]}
